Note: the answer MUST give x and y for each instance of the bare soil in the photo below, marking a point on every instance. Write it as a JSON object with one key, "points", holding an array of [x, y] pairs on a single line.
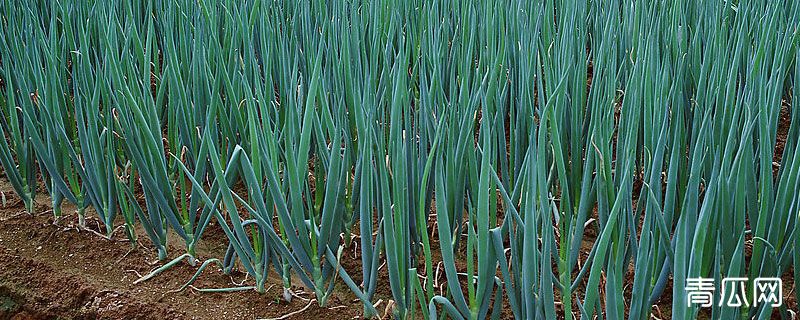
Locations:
{"points": [[50, 271]]}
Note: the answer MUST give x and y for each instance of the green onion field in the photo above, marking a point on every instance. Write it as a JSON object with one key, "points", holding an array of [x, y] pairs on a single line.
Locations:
{"points": [[443, 159]]}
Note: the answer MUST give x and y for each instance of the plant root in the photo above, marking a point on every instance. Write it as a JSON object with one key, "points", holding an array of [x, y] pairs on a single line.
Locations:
{"points": [[286, 316]]}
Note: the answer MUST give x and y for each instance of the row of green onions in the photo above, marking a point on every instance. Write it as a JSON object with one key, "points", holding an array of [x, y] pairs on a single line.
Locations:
{"points": [[493, 155]]}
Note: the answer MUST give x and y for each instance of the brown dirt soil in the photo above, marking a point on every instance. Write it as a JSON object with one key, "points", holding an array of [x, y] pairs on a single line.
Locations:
{"points": [[784, 122], [52, 271]]}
